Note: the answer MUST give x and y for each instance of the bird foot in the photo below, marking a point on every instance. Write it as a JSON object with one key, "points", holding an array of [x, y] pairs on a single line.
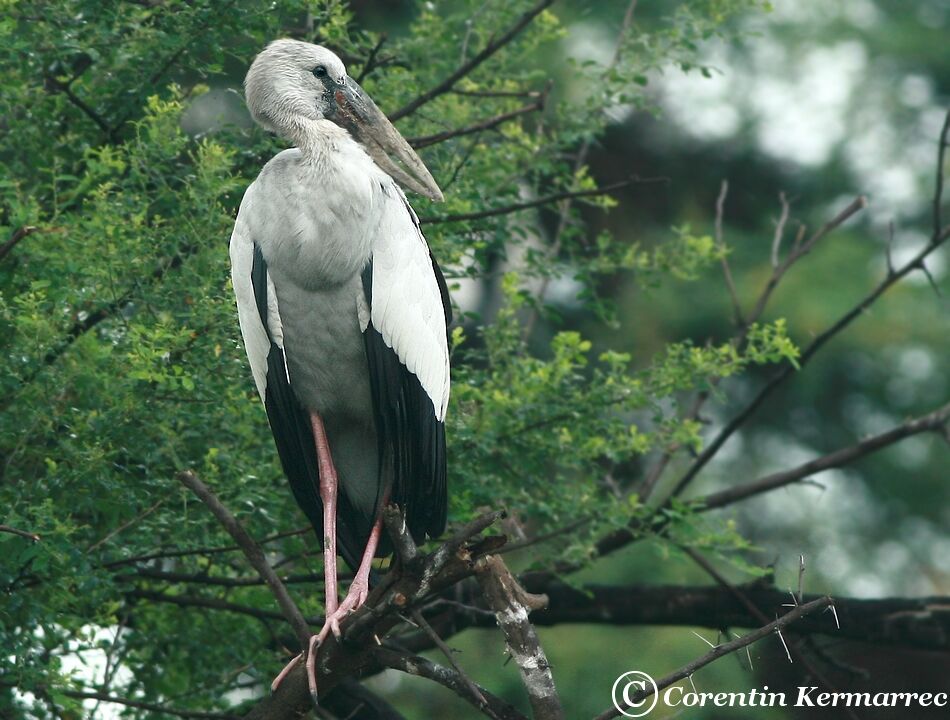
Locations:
{"points": [[353, 601]]}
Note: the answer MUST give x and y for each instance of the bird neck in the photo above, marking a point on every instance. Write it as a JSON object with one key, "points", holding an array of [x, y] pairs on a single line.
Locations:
{"points": [[317, 140]]}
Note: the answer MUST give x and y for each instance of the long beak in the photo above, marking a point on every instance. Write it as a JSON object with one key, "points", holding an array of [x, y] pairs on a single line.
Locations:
{"points": [[357, 112]]}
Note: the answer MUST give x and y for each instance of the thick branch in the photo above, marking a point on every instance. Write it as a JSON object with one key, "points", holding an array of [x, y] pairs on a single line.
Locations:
{"points": [[486, 52], [511, 605], [253, 553], [395, 594], [914, 623]]}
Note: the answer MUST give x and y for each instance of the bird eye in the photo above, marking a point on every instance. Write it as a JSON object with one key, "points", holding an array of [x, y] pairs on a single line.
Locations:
{"points": [[319, 71]]}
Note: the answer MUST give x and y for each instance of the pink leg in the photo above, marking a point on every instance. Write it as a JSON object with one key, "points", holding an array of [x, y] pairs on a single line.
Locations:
{"points": [[359, 588], [328, 494], [328, 490]]}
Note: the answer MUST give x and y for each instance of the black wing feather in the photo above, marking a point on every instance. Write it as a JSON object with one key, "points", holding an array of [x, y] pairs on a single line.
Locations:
{"points": [[412, 458]]}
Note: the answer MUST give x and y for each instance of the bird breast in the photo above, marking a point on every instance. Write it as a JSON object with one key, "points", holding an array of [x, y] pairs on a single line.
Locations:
{"points": [[318, 218]]}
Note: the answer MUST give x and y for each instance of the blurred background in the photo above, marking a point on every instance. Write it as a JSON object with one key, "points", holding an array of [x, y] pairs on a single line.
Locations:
{"points": [[822, 101]]}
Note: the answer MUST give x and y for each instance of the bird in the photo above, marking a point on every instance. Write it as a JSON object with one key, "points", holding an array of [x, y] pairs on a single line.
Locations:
{"points": [[344, 313]]}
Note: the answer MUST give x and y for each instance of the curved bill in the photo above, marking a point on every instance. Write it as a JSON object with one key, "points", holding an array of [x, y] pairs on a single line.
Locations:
{"points": [[356, 111]]}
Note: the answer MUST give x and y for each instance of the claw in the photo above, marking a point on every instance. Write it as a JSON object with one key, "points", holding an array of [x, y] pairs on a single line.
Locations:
{"points": [[354, 599], [285, 672]]}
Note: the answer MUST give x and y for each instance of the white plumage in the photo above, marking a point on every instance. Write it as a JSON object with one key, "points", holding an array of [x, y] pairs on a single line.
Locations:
{"points": [[321, 238], [343, 311]]}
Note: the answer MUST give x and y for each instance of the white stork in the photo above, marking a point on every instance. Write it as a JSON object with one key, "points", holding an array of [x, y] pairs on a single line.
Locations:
{"points": [[344, 313]]}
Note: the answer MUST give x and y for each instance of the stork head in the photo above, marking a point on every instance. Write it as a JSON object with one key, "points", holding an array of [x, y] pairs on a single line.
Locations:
{"points": [[292, 85]]}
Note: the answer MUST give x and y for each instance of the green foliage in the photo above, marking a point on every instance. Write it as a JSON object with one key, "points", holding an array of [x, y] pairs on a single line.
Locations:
{"points": [[122, 352]]}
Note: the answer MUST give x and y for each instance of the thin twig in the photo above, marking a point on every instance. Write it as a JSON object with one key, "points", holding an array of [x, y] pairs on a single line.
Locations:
{"points": [[738, 594], [788, 369], [579, 160], [938, 184], [370, 63], [66, 89], [22, 533], [721, 244], [490, 49], [18, 235], [622, 537], [210, 603], [800, 250], [722, 650], [933, 421], [422, 667], [482, 125], [498, 93], [216, 580], [150, 707], [162, 555], [450, 656], [126, 525], [544, 200], [779, 229]]}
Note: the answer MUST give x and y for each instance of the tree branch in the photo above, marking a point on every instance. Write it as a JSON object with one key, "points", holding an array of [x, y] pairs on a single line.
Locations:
{"points": [[936, 420], [720, 242], [151, 707], [189, 601], [18, 235], [476, 694], [66, 88], [511, 605], [912, 623], [252, 552], [22, 533], [657, 522], [938, 183], [162, 555], [216, 580], [398, 592], [722, 650], [544, 200], [793, 649], [490, 49], [487, 124], [939, 235], [744, 324], [422, 667], [353, 700], [370, 64]]}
